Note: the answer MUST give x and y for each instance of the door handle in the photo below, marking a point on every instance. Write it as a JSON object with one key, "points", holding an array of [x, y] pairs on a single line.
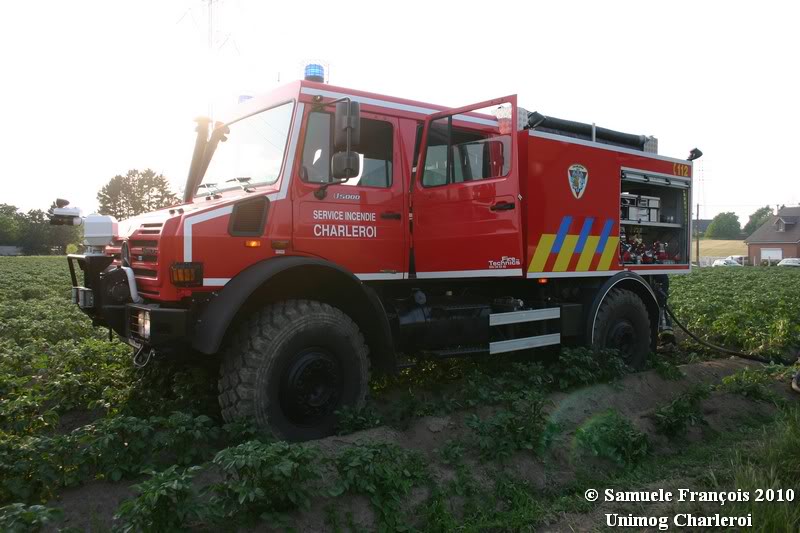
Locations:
{"points": [[389, 215], [502, 206]]}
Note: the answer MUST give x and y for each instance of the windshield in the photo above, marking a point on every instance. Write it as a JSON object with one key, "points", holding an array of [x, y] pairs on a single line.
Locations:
{"points": [[253, 153]]}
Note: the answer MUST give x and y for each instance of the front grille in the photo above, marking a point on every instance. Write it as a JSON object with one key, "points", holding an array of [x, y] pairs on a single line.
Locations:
{"points": [[144, 246], [144, 252]]}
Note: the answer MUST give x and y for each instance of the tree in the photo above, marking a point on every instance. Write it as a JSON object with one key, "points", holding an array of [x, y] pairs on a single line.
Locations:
{"points": [[114, 198], [35, 233], [135, 193], [757, 220], [724, 226], [9, 225]]}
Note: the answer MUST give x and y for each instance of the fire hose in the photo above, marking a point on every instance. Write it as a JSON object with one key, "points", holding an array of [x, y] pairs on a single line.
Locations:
{"points": [[717, 348], [779, 360]]}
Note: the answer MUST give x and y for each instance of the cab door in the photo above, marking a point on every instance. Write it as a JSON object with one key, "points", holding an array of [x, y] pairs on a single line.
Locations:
{"points": [[359, 224], [465, 203]]}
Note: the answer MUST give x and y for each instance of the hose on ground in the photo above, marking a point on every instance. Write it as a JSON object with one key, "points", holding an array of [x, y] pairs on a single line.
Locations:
{"points": [[721, 348]]}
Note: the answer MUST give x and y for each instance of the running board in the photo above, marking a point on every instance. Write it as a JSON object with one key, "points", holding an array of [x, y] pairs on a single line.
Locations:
{"points": [[524, 343], [519, 317], [462, 351], [516, 317]]}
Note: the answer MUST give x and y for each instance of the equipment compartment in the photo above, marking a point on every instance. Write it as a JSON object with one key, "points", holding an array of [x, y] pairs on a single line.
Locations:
{"points": [[654, 218]]}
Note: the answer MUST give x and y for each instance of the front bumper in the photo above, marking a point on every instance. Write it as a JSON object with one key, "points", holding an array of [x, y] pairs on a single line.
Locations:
{"points": [[105, 297]]}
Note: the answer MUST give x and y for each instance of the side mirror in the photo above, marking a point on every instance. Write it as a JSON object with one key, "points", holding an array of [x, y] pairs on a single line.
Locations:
{"points": [[345, 165], [347, 129]]}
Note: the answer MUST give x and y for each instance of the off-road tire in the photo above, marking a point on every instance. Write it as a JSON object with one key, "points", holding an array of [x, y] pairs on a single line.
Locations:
{"points": [[266, 350], [623, 324]]}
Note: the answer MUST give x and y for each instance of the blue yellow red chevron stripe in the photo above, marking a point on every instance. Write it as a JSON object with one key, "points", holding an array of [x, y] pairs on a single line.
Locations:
{"points": [[567, 252]]}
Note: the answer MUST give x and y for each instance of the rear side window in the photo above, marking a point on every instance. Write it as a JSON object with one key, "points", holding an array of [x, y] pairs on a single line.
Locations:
{"points": [[457, 155], [375, 152]]}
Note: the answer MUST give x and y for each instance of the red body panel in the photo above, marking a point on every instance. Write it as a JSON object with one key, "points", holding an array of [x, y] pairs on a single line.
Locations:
{"points": [[359, 227], [459, 232], [582, 228], [551, 231]]}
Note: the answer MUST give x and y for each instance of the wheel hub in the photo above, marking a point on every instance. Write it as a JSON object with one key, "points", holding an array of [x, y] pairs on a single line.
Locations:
{"points": [[311, 386], [622, 337]]}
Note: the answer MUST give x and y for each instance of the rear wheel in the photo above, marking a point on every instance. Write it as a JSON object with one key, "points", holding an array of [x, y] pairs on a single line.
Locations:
{"points": [[291, 366], [623, 324]]}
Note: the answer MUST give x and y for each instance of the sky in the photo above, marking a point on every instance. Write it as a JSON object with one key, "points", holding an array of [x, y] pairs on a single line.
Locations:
{"points": [[90, 89]]}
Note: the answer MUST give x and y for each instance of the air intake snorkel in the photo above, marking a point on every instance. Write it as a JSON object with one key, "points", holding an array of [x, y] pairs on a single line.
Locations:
{"points": [[193, 179]]}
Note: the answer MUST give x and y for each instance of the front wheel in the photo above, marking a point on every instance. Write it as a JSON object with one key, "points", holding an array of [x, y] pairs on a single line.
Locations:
{"points": [[291, 366], [623, 324]]}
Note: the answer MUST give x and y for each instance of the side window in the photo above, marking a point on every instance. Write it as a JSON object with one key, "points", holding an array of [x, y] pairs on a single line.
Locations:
{"points": [[375, 152], [457, 154], [317, 148]]}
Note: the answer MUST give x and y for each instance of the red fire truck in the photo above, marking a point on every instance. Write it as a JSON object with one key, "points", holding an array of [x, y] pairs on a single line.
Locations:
{"points": [[326, 233]]}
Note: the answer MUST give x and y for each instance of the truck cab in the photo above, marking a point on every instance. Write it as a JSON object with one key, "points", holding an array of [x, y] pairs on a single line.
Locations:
{"points": [[328, 233]]}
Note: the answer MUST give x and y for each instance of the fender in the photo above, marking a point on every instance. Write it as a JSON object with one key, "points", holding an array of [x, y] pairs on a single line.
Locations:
{"points": [[634, 283], [295, 277]]}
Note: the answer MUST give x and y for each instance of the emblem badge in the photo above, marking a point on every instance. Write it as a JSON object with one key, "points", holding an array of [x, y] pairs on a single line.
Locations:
{"points": [[578, 176]]}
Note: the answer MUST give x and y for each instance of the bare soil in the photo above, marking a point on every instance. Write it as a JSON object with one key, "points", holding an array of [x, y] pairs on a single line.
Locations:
{"points": [[635, 396], [91, 506]]}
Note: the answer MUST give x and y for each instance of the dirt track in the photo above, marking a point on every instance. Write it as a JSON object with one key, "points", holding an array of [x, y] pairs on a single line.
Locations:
{"points": [[635, 396]]}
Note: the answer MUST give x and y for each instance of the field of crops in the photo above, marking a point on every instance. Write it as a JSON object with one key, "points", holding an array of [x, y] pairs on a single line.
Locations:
{"points": [[75, 415], [719, 248], [752, 309]]}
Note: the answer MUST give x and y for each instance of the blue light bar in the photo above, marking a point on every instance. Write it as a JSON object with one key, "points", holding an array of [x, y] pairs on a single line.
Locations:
{"points": [[315, 72]]}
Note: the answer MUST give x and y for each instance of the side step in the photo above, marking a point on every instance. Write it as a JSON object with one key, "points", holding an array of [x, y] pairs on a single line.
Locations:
{"points": [[461, 351], [524, 343]]}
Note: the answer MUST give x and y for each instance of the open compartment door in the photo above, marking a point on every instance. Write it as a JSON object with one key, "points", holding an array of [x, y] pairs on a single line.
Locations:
{"points": [[465, 197]]}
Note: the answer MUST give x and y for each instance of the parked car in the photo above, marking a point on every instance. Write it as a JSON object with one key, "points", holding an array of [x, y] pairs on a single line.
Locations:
{"points": [[741, 259], [726, 263], [789, 262]]}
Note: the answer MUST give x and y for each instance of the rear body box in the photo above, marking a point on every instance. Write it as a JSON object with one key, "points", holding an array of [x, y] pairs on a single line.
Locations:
{"points": [[571, 223]]}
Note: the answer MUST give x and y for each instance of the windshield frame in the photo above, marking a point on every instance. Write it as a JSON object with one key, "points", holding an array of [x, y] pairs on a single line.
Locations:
{"points": [[281, 170]]}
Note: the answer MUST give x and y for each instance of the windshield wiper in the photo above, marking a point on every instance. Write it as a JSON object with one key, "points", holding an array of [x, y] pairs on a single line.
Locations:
{"points": [[207, 189], [243, 183]]}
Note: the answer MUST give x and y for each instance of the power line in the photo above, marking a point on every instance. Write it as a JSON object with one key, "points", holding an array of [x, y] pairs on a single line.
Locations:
{"points": [[742, 205], [210, 46]]}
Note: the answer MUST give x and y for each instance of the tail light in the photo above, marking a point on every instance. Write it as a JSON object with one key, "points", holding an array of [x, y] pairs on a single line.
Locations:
{"points": [[186, 274]]}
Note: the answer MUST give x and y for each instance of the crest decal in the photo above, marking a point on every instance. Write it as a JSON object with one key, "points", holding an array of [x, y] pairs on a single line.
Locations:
{"points": [[578, 176]]}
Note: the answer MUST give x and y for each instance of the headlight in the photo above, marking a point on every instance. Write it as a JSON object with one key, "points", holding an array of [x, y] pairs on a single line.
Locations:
{"points": [[143, 323]]}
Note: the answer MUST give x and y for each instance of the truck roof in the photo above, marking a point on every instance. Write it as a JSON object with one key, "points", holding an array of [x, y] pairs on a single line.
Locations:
{"points": [[403, 107]]}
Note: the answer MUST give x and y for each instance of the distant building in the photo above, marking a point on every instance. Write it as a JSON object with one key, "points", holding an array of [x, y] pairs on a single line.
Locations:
{"points": [[777, 239], [701, 225]]}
